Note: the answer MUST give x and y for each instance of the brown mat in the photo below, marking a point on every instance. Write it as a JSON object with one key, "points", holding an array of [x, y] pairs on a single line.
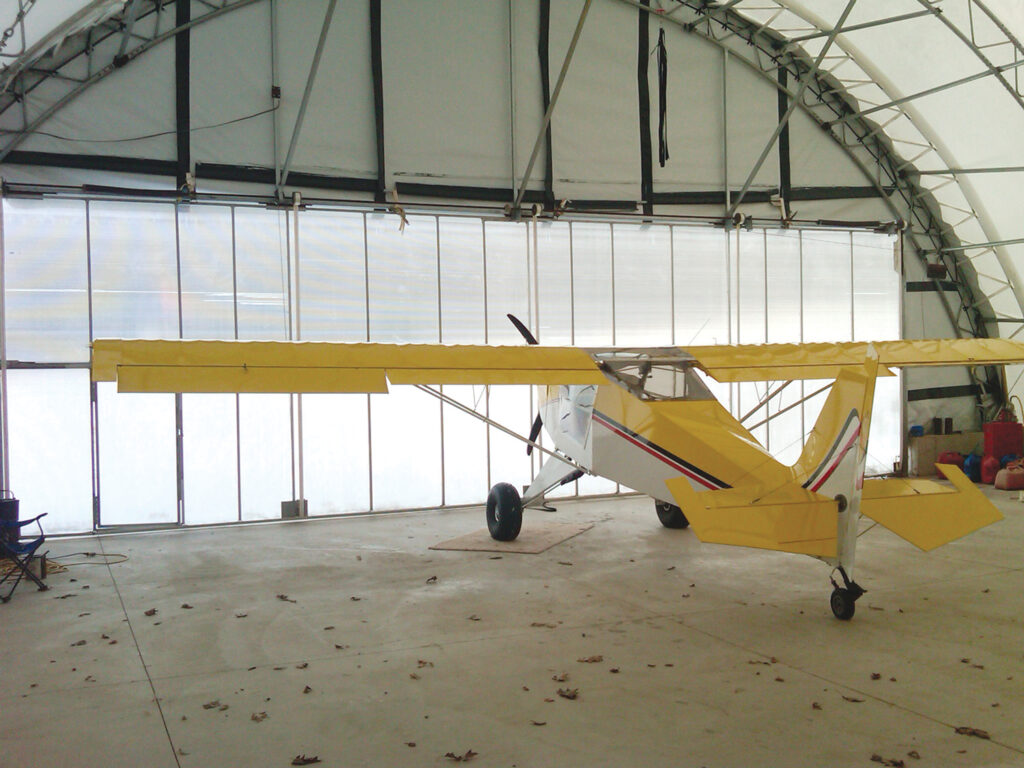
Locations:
{"points": [[533, 539]]}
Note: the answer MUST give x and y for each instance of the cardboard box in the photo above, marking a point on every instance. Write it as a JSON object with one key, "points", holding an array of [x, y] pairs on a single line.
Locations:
{"points": [[924, 450]]}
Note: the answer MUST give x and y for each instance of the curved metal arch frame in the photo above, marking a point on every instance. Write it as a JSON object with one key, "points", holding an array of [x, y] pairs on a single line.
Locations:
{"points": [[826, 101]]}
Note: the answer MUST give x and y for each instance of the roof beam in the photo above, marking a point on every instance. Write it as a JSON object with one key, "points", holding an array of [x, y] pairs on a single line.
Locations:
{"points": [[863, 25]]}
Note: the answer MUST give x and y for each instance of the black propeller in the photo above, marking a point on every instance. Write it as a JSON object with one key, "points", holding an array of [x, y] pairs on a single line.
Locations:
{"points": [[530, 339]]}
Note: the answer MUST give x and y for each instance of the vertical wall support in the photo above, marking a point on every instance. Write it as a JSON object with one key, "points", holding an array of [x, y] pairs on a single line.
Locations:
{"points": [[643, 57], [5, 464], [182, 54], [377, 67], [543, 51], [785, 182]]}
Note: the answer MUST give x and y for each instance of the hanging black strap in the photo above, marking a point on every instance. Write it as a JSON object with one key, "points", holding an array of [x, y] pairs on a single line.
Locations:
{"points": [[662, 99]]}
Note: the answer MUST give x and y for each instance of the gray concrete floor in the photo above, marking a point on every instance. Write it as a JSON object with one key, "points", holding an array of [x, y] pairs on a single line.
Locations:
{"points": [[710, 655]]}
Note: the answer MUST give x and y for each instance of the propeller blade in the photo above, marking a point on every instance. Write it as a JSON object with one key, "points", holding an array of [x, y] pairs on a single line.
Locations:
{"points": [[523, 329], [534, 433]]}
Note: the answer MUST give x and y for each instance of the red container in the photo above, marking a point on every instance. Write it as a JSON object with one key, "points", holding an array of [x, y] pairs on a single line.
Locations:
{"points": [[1003, 437], [951, 457], [989, 469]]}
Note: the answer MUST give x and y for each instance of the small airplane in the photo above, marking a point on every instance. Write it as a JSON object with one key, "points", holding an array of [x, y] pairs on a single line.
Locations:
{"points": [[642, 417]]}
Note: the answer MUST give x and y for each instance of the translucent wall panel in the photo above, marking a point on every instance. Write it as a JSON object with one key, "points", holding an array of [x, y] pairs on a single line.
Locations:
{"points": [[555, 285], [47, 301], [508, 283], [592, 284], [261, 263], [463, 298], [265, 446], [336, 462], [210, 458], [134, 270], [207, 272], [462, 281], [876, 285], [138, 458], [402, 278], [50, 447], [405, 428], [827, 286], [783, 287], [643, 290], [332, 276], [701, 286]]}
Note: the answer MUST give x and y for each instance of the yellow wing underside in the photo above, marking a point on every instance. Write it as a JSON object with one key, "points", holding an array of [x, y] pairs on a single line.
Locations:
{"points": [[140, 365]]}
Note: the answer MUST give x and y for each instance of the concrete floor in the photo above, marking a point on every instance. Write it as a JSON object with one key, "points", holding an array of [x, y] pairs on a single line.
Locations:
{"points": [[711, 656]]}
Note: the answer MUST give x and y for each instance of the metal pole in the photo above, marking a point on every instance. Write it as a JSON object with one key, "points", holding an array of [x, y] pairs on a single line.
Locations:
{"points": [[309, 89], [296, 200], [798, 96], [551, 106], [5, 469], [274, 102]]}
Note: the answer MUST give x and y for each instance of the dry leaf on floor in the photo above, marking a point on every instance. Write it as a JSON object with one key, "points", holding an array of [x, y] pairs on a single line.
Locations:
{"points": [[212, 704], [542, 624], [186, 606], [614, 670], [421, 663], [410, 743], [977, 732], [780, 680], [278, 669], [151, 612], [853, 700], [473, 617], [241, 615], [670, 568], [328, 629], [307, 689], [258, 717], [414, 676], [340, 647], [890, 761], [105, 637], [564, 562], [494, 557], [286, 599], [468, 755], [303, 760], [560, 678], [569, 693], [432, 580], [182, 752], [815, 705], [223, 707], [538, 722], [876, 676], [355, 599], [80, 642], [913, 754], [303, 665], [591, 659]]}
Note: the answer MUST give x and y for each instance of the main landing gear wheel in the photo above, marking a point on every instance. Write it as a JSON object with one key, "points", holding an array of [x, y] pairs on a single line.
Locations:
{"points": [[843, 604], [504, 512], [670, 515]]}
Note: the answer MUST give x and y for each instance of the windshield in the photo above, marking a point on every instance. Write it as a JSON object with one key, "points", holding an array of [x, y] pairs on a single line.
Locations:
{"points": [[664, 373]]}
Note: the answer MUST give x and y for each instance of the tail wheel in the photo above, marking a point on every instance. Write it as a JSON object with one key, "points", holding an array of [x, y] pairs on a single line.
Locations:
{"points": [[843, 603], [670, 515], [504, 512]]}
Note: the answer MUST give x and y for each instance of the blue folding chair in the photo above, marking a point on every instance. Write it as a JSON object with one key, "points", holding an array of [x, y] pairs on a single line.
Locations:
{"points": [[20, 553]]}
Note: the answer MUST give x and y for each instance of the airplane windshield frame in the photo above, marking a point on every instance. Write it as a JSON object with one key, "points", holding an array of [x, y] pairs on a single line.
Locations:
{"points": [[662, 373]]}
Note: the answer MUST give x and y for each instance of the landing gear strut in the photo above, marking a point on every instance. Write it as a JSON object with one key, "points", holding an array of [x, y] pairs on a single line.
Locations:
{"points": [[844, 598]]}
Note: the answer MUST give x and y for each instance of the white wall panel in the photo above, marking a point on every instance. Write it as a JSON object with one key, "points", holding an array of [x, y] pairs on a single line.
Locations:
{"points": [[446, 92], [597, 113]]}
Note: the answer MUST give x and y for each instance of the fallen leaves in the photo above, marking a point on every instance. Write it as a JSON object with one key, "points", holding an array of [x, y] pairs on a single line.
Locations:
{"points": [[432, 580], [890, 761], [410, 743], [303, 665], [421, 663], [538, 722], [186, 606], [614, 670], [852, 700], [80, 642], [355, 599], [569, 693], [913, 754], [151, 612], [876, 676], [215, 704], [465, 757], [560, 678], [307, 689], [543, 624], [303, 760], [286, 599], [473, 617], [241, 615], [591, 659], [964, 730], [258, 717], [815, 705], [413, 676]]}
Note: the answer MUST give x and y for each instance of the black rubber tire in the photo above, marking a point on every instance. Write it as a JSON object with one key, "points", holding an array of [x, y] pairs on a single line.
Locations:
{"points": [[843, 604], [504, 512], [670, 515]]}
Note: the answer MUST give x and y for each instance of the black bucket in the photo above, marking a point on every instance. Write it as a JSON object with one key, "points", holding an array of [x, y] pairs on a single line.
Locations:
{"points": [[9, 513]]}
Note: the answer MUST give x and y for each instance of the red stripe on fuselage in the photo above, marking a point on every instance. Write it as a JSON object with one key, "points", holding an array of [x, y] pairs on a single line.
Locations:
{"points": [[838, 461], [675, 465]]}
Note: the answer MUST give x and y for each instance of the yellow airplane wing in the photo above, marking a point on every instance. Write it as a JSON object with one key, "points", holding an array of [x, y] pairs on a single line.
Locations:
{"points": [[282, 366], [925, 513], [783, 362]]}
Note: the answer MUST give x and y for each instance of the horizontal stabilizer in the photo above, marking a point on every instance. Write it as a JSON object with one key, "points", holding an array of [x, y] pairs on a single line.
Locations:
{"points": [[926, 513], [788, 519]]}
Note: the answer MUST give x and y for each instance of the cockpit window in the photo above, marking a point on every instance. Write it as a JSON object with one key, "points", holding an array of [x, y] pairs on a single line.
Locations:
{"points": [[665, 373]]}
